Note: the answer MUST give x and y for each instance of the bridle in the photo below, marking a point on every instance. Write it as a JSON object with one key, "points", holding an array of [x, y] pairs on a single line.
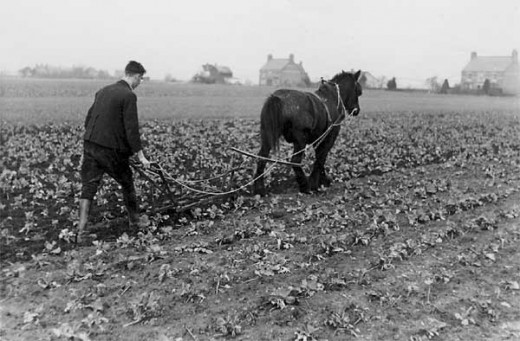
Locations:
{"points": [[341, 105]]}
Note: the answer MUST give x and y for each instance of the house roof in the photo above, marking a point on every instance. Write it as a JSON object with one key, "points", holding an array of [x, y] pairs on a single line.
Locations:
{"points": [[490, 64], [369, 76], [279, 64], [223, 69], [276, 64]]}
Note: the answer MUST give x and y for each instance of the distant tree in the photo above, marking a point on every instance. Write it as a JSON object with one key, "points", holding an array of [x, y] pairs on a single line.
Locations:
{"points": [[169, 78], [77, 72], [433, 84], [391, 84], [103, 74], [47, 71], [26, 72], [445, 87], [486, 86]]}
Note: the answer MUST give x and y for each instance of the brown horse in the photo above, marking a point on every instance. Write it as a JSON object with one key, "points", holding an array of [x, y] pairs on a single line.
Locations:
{"points": [[304, 118]]}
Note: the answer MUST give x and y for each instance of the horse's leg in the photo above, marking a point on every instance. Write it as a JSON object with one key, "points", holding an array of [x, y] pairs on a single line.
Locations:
{"points": [[258, 185], [318, 176], [298, 154]]}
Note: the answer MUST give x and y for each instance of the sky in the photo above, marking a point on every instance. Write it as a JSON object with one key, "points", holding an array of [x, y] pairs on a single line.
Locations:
{"points": [[408, 39]]}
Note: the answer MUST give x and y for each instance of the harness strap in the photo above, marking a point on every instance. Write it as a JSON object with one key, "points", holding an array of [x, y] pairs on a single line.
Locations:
{"points": [[325, 105], [341, 105], [340, 102]]}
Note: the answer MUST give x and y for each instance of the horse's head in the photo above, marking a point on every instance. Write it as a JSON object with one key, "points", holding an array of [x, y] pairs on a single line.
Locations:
{"points": [[350, 90]]}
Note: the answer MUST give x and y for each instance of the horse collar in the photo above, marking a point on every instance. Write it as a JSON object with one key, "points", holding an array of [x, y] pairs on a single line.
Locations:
{"points": [[322, 101], [340, 106], [340, 100]]}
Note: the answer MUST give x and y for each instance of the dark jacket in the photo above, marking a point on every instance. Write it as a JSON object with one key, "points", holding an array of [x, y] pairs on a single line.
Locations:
{"points": [[112, 120]]}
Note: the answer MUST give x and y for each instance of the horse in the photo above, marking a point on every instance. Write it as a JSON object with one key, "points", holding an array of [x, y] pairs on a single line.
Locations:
{"points": [[307, 118]]}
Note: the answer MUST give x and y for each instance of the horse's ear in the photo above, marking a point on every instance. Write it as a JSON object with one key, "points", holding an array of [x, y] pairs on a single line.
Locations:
{"points": [[356, 75]]}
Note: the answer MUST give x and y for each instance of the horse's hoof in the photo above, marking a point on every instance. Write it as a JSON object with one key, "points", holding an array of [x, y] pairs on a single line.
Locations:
{"points": [[315, 185], [325, 180], [326, 183], [259, 190], [260, 193], [305, 189]]}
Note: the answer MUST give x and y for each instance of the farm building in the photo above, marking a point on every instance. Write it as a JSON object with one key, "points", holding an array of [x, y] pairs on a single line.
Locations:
{"points": [[502, 72], [213, 74], [280, 71], [369, 81]]}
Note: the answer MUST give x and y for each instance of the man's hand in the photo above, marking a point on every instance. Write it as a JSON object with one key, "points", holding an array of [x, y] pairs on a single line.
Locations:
{"points": [[144, 161]]}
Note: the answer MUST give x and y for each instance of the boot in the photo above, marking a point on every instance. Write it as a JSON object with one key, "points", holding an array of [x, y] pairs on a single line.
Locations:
{"points": [[84, 210], [132, 209]]}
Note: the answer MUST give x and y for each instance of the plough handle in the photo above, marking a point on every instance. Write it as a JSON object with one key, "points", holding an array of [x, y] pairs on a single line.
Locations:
{"points": [[155, 168]]}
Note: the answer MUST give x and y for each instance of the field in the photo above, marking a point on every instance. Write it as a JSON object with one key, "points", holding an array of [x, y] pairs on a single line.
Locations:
{"points": [[417, 239]]}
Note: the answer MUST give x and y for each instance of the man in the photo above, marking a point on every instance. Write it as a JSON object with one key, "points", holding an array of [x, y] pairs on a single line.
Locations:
{"points": [[111, 137]]}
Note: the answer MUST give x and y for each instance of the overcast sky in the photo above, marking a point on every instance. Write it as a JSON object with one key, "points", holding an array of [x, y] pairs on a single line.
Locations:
{"points": [[408, 39]]}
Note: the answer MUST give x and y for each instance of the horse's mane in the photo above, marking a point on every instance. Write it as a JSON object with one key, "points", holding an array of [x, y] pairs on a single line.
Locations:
{"points": [[340, 76]]}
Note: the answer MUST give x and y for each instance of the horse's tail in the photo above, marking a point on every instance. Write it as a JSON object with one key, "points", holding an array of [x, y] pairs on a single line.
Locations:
{"points": [[271, 122]]}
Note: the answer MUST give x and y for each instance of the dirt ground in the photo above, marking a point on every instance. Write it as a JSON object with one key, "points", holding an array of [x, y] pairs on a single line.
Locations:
{"points": [[420, 253]]}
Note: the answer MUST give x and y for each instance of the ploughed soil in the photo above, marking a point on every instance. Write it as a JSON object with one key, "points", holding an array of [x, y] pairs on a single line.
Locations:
{"points": [[422, 253]]}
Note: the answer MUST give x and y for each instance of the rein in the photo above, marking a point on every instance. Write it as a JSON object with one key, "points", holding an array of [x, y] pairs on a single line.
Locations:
{"points": [[340, 101]]}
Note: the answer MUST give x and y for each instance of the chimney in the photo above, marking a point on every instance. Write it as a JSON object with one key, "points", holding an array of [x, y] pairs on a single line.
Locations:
{"points": [[291, 58], [515, 56], [269, 57], [473, 55]]}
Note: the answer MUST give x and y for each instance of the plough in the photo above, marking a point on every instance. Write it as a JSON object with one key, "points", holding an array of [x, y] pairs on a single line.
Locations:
{"points": [[177, 200]]}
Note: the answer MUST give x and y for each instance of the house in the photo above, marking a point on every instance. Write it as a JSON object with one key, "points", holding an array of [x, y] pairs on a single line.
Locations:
{"points": [[211, 74], [369, 81], [502, 73], [279, 71]]}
